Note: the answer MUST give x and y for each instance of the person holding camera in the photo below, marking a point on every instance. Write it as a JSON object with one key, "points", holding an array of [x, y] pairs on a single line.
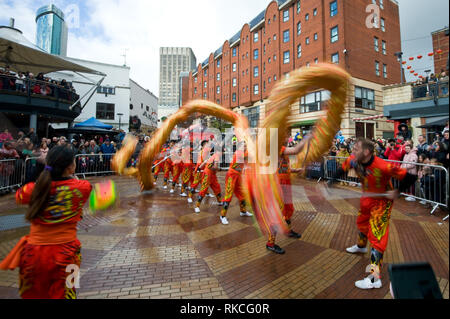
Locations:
{"points": [[394, 151]]}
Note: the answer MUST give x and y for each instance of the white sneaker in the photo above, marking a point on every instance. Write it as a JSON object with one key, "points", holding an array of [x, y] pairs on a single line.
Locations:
{"points": [[190, 200], [367, 283], [410, 199], [355, 250], [197, 210], [172, 191], [183, 195], [224, 220], [246, 214], [165, 187]]}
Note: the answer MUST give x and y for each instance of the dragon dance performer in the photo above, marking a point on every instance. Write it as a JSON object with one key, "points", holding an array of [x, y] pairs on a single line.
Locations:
{"points": [[158, 165], [178, 167], [56, 203], [209, 180], [284, 176], [187, 175], [375, 211], [198, 172], [168, 165], [233, 184]]}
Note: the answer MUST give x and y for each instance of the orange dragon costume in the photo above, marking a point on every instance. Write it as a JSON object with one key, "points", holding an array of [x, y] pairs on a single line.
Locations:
{"points": [[52, 243]]}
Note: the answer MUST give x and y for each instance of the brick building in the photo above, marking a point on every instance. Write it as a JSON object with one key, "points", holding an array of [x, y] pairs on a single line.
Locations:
{"points": [[440, 42], [290, 34]]}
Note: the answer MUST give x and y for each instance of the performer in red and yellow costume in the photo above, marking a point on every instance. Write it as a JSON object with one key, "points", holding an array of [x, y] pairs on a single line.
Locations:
{"points": [[375, 204], [56, 204], [168, 164], [209, 180], [178, 167], [187, 175], [233, 184], [198, 170], [158, 165]]}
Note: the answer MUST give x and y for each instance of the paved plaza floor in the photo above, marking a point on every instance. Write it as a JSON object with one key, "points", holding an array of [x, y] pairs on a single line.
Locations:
{"points": [[155, 246]]}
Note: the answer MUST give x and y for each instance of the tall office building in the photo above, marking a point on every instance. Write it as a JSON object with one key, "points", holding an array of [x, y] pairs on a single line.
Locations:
{"points": [[173, 61], [51, 31]]}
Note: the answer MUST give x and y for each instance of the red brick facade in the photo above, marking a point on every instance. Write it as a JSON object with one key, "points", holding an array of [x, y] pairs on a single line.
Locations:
{"points": [[279, 40], [440, 42]]}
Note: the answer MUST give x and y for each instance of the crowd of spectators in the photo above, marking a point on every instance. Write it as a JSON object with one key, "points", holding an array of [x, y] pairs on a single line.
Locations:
{"points": [[39, 84], [434, 85]]}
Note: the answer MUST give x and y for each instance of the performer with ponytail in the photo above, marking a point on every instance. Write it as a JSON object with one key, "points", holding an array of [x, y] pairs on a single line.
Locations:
{"points": [[56, 203]]}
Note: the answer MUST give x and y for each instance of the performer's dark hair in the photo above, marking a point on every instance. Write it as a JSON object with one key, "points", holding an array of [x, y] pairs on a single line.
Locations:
{"points": [[58, 159], [366, 144], [204, 142]]}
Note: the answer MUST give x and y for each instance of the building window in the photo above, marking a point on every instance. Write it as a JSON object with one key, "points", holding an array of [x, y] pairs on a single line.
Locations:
{"points": [[385, 71], [299, 6], [314, 102], [255, 72], [131, 106], [218, 76], [105, 111], [274, 18], [274, 57], [256, 89], [269, 60], [286, 57], [205, 72], [274, 77], [375, 43], [234, 67], [106, 90], [307, 64], [334, 34], [381, 4], [255, 37], [264, 67], [195, 79], [286, 36], [314, 12], [255, 54], [315, 37], [270, 79], [246, 55], [204, 96], [195, 90], [274, 37], [252, 115], [268, 40], [147, 108], [218, 90], [234, 97], [299, 28], [307, 17], [218, 63], [383, 47], [377, 68], [285, 16], [299, 51], [269, 21], [316, 60], [335, 58], [364, 98], [234, 82], [333, 8], [234, 51], [307, 40], [382, 25], [142, 106]]}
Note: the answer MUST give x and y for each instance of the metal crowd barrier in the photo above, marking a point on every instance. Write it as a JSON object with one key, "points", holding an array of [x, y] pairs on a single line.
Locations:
{"points": [[10, 174], [93, 164], [431, 188]]}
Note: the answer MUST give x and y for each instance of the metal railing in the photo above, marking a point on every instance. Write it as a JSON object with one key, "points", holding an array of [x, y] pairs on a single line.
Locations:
{"points": [[11, 174], [431, 89], [93, 164], [432, 186]]}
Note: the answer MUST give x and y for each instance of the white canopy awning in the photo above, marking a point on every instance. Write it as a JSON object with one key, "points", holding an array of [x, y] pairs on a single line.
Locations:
{"points": [[20, 54]]}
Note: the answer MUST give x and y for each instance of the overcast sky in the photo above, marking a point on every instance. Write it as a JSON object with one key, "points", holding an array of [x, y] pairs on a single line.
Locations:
{"points": [[107, 27]]}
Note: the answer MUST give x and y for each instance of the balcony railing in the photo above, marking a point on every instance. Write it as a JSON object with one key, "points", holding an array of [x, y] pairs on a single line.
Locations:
{"points": [[36, 88], [430, 90]]}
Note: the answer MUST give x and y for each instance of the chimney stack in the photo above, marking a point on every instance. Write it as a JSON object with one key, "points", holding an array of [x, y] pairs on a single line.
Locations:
{"points": [[11, 22]]}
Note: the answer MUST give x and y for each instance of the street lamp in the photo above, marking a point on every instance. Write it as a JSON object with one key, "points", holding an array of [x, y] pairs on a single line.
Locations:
{"points": [[399, 59], [120, 117]]}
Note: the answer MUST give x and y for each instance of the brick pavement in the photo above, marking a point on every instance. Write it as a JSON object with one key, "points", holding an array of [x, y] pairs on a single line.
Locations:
{"points": [[152, 245]]}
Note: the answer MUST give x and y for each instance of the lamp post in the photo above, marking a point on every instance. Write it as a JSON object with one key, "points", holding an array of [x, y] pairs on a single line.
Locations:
{"points": [[120, 117], [399, 59]]}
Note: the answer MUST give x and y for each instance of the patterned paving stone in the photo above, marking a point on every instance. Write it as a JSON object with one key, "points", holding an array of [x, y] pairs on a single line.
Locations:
{"points": [[212, 231], [98, 242], [152, 241], [143, 231], [321, 230]]}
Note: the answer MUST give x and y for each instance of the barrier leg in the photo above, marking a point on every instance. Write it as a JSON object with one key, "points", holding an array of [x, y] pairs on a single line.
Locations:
{"points": [[434, 209], [445, 218]]}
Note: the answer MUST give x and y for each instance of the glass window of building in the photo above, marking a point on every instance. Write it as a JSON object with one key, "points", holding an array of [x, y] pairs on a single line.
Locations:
{"points": [[364, 98], [385, 71], [255, 37], [204, 96], [315, 36], [218, 63], [307, 17], [307, 40], [218, 90], [334, 34], [299, 51], [205, 84], [256, 89], [286, 57], [314, 12], [299, 6], [383, 47], [255, 72], [377, 68], [299, 28], [314, 102], [381, 4], [218, 76], [252, 115], [375, 43], [105, 111], [316, 60], [234, 51], [333, 8], [286, 36], [335, 58], [234, 82], [234, 97], [234, 67], [255, 54], [285, 15], [195, 79], [382, 25]]}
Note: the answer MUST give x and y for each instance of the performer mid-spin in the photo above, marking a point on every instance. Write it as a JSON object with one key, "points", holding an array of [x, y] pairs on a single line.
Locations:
{"points": [[375, 211], [168, 164]]}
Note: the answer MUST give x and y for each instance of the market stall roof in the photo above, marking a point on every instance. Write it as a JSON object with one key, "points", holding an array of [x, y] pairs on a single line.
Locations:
{"points": [[20, 54], [93, 123]]}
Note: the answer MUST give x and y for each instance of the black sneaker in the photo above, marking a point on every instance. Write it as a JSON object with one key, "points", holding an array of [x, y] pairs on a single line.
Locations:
{"points": [[293, 234], [276, 249]]}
